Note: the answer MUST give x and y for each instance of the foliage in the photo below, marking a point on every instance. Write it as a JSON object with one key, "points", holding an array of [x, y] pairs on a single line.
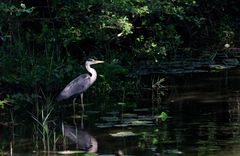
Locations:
{"points": [[133, 28], [110, 73], [163, 116], [16, 10], [42, 125], [4, 102], [43, 44], [225, 31], [130, 29]]}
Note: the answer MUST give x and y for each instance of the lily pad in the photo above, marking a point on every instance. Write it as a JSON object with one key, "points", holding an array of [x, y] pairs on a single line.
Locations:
{"points": [[69, 152], [92, 112], [104, 125], [218, 67], [136, 122], [147, 118], [129, 115], [78, 116], [123, 134], [173, 151], [110, 119], [121, 125]]}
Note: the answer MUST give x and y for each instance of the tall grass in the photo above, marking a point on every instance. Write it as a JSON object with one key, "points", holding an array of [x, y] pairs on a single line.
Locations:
{"points": [[43, 122]]}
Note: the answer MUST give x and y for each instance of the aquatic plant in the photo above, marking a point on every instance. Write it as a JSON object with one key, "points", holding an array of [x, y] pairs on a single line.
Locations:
{"points": [[158, 91], [43, 122]]}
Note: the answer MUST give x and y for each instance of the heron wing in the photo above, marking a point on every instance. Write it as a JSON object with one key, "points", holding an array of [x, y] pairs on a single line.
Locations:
{"points": [[76, 86]]}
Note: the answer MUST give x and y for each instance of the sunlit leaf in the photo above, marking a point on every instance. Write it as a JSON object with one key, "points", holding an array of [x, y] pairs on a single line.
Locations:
{"points": [[29, 11], [155, 141], [121, 103], [163, 116], [4, 102], [23, 6], [139, 122]]}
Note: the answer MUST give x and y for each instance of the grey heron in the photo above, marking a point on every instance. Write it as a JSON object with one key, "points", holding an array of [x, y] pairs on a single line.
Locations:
{"points": [[80, 84]]}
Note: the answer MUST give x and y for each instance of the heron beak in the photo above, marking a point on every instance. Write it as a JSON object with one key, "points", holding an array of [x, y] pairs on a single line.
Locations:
{"points": [[96, 62]]}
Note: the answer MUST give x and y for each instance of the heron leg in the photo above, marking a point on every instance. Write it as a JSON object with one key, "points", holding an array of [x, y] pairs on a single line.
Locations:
{"points": [[74, 111], [82, 101], [82, 125], [76, 134], [64, 137]]}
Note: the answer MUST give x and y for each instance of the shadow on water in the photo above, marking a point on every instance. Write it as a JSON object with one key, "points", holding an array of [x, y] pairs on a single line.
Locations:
{"points": [[204, 119]]}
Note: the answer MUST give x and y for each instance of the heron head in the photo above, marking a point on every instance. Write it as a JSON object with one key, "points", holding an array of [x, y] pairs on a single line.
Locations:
{"points": [[92, 61]]}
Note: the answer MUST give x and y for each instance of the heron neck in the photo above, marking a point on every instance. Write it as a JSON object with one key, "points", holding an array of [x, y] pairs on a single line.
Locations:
{"points": [[92, 72]]}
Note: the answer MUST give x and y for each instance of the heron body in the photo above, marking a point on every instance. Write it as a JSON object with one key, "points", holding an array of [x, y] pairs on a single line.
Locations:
{"points": [[76, 86], [80, 84]]}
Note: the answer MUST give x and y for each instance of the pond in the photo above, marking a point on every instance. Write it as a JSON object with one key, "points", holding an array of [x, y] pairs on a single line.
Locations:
{"points": [[203, 119]]}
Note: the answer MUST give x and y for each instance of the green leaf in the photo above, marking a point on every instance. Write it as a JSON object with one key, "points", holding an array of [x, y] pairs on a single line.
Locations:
{"points": [[23, 6], [162, 116], [29, 11], [155, 141], [18, 13], [5, 102]]}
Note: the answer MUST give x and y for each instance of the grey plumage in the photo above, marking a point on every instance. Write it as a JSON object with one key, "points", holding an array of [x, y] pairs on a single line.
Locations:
{"points": [[76, 86]]}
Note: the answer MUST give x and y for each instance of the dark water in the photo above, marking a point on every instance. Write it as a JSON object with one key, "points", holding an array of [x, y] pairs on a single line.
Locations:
{"points": [[204, 119]]}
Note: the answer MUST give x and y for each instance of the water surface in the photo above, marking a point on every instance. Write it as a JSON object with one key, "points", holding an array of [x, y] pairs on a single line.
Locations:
{"points": [[203, 110]]}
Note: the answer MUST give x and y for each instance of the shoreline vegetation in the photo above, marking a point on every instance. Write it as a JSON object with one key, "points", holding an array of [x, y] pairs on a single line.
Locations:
{"points": [[44, 44]]}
